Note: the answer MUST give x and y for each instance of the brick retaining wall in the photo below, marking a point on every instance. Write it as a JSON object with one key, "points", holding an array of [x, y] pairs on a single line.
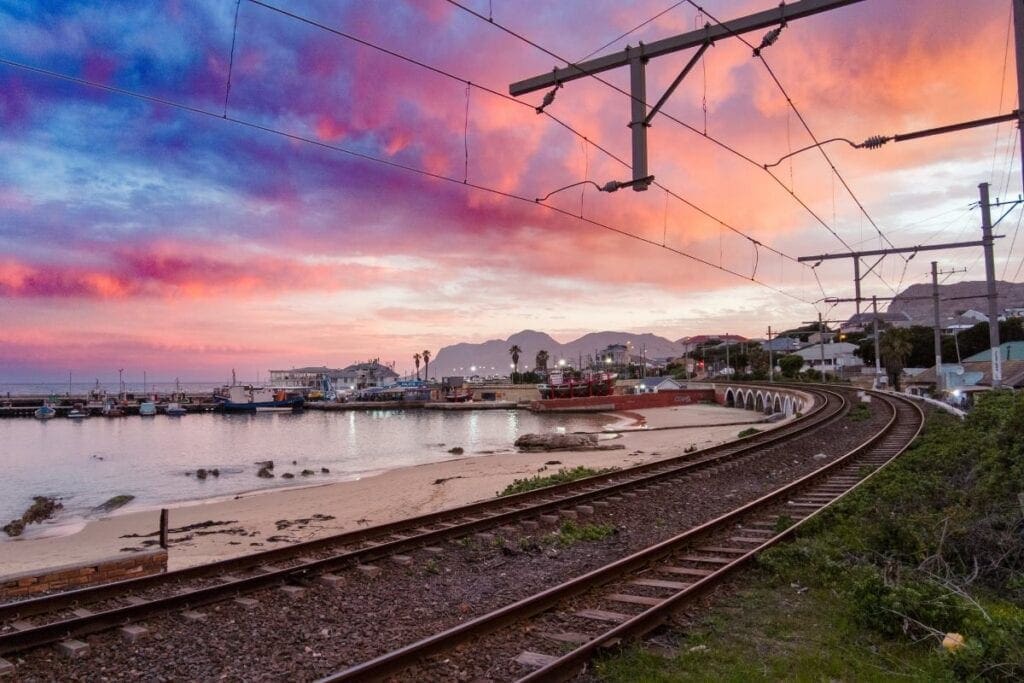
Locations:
{"points": [[108, 570], [662, 399]]}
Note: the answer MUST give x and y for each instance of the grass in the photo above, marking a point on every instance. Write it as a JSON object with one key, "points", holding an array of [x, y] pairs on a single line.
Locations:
{"points": [[571, 533], [776, 633], [931, 545], [562, 476], [749, 431], [859, 413]]}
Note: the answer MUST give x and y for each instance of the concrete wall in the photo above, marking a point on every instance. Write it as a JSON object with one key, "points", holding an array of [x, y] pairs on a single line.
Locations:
{"points": [[67, 577]]}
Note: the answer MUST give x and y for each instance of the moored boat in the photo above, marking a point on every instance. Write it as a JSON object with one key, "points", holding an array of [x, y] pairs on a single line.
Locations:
{"points": [[249, 399], [78, 412], [147, 409], [112, 409], [45, 412], [565, 385], [175, 410]]}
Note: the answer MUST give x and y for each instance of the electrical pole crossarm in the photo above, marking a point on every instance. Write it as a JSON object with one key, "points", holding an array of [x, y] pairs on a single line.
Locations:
{"points": [[897, 250], [753, 22]]}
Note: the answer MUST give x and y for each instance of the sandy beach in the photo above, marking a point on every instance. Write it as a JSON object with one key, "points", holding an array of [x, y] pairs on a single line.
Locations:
{"points": [[260, 520]]}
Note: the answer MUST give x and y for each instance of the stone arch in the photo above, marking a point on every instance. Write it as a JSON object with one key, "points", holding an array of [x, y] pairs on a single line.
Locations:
{"points": [[730, 398], [759, 402], [777, 404], [749, 403], [787, 406]]}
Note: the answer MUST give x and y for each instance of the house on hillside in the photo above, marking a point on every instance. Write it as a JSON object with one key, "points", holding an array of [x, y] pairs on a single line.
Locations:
{"points": [[960, 382], [652, 385], [782, 345], [963, 321], [838, 357]]}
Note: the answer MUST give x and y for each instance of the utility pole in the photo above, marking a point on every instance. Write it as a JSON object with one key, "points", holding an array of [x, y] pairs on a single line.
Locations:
{"points": [[878, 356], [1018, 35], [636, 59], [771, 360], [727, 365], [938, 335], [821, 341], [990, 277]]}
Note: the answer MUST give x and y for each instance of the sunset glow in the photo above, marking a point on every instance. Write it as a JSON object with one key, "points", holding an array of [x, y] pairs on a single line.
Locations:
{"points": [[139, 235]]}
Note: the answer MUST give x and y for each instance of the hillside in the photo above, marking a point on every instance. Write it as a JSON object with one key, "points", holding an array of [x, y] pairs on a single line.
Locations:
{"points": [[492, 357], [1011, 295]]}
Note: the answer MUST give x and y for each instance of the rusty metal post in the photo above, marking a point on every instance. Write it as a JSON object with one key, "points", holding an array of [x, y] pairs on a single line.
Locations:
{"points": [[163, 528]]}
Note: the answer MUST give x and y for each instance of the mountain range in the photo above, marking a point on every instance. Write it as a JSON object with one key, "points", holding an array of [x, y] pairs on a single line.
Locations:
{"points": [[492, 357]]}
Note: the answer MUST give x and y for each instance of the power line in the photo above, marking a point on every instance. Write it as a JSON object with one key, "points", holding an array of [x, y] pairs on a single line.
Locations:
{"points": [[758, 54], [386, 162], [508, 98], [636, 28], [668, 116]]}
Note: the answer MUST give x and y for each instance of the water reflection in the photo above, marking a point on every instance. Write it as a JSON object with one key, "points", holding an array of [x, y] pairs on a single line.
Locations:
{"points": [[90, 460]]}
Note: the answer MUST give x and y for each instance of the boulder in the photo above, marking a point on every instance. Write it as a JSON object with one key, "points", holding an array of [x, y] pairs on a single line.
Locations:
{"points": [[557, 442], [265, 473]]}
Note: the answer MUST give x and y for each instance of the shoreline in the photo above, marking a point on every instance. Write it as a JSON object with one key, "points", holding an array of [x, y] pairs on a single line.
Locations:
{"points": [[270, 517]]}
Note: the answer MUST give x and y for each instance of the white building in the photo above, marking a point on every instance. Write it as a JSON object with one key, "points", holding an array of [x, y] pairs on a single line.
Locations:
{"points": [[652, 385], [839, 357]]}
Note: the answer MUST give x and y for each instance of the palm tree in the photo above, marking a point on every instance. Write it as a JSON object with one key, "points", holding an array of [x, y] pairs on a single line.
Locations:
{"points": [[416, 357], [894, 347], [542, 360], [426, 365], [514, 352]]}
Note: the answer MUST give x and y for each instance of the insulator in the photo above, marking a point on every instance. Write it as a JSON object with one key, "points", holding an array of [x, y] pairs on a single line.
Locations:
{"points": [[875, 141]]}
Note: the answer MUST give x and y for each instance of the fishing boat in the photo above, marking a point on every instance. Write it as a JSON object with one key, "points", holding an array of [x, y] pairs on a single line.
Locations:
{"points": [[78, 412], [112, 409], [175, 410], [147, 409], [239, 398], [565, 385], [45, 412]]}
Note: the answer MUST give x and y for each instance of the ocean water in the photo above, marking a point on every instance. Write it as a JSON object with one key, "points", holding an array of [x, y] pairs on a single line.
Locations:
{"points": [[86, 462]]}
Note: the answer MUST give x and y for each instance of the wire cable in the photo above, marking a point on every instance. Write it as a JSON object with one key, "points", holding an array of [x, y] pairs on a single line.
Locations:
{"points": [[666, 115], [231, 59], [636, 28], [385, 162], [508, 98], [757, 51]]}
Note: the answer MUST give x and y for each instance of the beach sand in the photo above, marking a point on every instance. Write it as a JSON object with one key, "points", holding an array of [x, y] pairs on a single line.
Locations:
{"points": [[261, 520]]}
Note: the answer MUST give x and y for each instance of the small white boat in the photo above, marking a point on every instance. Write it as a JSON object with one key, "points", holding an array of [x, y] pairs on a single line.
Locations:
{"points": [[147, 409], [77, 414], [45, 412], [175, 410]]}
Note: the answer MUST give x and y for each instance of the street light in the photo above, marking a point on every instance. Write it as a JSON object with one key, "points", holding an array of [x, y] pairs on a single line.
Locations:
{"points": [[561, 362]]}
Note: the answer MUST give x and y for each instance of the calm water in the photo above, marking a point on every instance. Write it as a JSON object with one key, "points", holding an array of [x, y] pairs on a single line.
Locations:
{"points": [[88, 461]]}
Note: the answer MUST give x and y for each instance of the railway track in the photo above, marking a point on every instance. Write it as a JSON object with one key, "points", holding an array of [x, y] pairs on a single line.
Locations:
{"points": [[39, 621], [631, 596]]}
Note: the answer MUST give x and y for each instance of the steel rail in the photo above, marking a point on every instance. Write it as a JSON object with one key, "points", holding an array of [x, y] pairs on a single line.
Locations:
{"points": [[21, 640], [77, 597], [395, 661]]}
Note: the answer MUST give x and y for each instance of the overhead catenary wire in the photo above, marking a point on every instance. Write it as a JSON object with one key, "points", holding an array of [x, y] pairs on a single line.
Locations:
{"points": [[504, 96], [371, 158], [631, 31], [669, 117], [758, 54]]}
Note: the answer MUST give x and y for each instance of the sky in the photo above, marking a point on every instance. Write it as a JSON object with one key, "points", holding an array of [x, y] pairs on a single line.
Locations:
{"points": [[271, 194]]}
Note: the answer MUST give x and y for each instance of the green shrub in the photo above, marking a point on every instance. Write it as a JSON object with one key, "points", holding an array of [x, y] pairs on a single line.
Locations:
{"points": [[749, 431], [562, 476]]}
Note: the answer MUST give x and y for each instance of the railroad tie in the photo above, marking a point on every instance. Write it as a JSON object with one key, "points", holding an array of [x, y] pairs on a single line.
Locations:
{"points": [[73, 649], [602, 615], [6, 668], [133, 632], [533, 660], [567, 637], [633, 599], [660, 583], [686, 571]]}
